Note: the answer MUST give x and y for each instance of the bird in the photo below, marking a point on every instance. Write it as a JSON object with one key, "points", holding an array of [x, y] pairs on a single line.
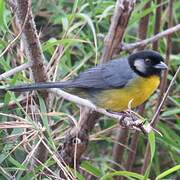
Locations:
{"points": [[112, 85]]}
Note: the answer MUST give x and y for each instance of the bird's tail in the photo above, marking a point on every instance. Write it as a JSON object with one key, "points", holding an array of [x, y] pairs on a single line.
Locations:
{"points": [[37, 86]]}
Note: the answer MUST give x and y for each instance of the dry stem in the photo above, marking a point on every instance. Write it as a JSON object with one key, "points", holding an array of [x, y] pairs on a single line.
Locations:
{"points": [[143, 29], [15, 70], [157, 23], [34, 53], [122, 13], [162, 86], [145, 42]]}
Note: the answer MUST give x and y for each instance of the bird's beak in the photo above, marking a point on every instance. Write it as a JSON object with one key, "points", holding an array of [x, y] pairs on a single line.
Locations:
{"points": [[161, 65]]}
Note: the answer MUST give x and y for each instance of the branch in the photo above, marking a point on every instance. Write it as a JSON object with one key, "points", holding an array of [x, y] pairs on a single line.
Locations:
{"points": [[31, 41], [12, 4], [157, 25], [142, 33], [163, 86], [118, 149], [143, 24], [15, 70], [145, 42], [34, 54], [122, 13], [154, 120]]}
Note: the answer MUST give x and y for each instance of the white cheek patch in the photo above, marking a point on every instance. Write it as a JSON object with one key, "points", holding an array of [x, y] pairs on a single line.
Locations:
{"points": [[140, 66]]}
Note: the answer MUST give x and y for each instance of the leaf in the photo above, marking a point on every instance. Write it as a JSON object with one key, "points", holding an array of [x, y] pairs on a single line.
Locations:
{"points": [[54, 42], [90, 23], [65, 23], [168, 172], [151, 138], [45, 120], [122, 173], [16, 163], [171, 112], [3, 24], [91, 168]]}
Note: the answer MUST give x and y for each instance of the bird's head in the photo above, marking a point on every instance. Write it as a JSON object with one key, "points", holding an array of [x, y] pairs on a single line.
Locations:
{"points": [[147, 63]]}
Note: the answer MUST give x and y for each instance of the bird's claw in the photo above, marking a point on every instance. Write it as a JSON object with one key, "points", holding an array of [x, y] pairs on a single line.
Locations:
{"points": [[130, 120]]}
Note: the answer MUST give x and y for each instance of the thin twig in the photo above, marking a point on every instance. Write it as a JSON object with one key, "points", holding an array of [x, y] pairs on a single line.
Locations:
{"points": [[145, 42], [2, 169], [154, 119], [29, 156], [118, 149], [46, 167], [157, 23], [163, 86], [12, 4], [68, 174], [17, 37], [15, 70]]}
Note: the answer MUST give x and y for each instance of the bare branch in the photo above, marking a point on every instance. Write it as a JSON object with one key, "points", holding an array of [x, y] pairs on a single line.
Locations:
{"points": [[163, 86], [157, 23], [153, 122], [118, 149], [12, 4], [154, 119], [34, 54], [142, 33], [144, 21], [145, 42], [15, 70], [122, 13], [132, 154], [31, 41]]}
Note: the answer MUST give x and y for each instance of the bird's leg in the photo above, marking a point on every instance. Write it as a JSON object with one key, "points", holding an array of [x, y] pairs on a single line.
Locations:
{"points": [[115, 112]]}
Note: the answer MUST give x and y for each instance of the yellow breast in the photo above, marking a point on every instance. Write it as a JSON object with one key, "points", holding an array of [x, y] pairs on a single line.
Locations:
{"points": [[137, 92]]}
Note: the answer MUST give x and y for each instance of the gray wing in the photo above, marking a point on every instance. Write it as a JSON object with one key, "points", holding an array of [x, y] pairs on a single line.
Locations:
{"points": [[114, 74], [118, 73], [91, 78]]}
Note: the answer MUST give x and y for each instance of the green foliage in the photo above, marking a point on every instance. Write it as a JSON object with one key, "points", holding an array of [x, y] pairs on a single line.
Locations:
{"points": [[123, 173]]}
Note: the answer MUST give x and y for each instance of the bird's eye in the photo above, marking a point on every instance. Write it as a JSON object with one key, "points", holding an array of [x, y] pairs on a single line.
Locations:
{"points": [[147, 61]]}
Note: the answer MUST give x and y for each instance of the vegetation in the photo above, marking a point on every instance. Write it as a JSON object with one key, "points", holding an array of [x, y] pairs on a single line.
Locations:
{"points": [[72, 35]]}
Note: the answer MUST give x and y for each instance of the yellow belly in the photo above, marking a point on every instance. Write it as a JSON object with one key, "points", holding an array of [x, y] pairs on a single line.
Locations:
{"points": [[137, 92]]}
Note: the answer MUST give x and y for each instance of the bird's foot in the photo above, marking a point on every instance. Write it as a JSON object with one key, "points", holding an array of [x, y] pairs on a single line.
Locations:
{"points": [[129, 119]]}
